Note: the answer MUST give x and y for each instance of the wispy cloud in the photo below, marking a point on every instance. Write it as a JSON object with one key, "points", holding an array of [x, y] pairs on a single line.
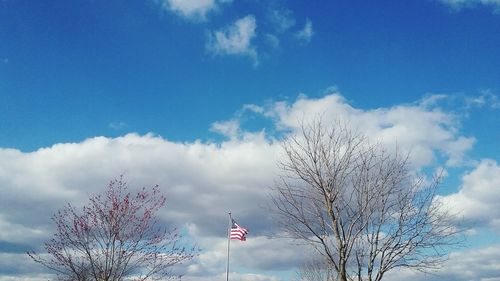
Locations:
{"points": [[306, 33], [460, 4], [487, 98], [235, 39], [272, 40], [253, 108], [281, 19], [464, 103], [117, 125], [228, 128], [193, 9]]}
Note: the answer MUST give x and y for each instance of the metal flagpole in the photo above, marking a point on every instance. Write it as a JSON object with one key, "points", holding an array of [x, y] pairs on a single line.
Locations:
{"points": [[228, 245]]}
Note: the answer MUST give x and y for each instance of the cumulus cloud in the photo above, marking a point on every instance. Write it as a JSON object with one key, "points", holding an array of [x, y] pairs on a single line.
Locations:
{"points": [[192, 9], [475, 264], [273, 254], [235, 276], [435, 133], [204, 180], [306, 33], [235, 39], [18, 266], [477, 200], [13, 232]]}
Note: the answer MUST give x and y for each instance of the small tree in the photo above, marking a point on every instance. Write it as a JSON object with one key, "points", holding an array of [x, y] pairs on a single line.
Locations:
{"points": [[359, 206], [316, 270], [116, 236]]}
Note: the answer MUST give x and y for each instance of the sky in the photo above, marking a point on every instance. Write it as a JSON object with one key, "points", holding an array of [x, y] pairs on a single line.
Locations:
{"points": [[196, 95]]}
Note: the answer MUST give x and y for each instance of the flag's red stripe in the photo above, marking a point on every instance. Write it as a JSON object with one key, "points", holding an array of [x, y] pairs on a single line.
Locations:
{"points": [[238, 232]]}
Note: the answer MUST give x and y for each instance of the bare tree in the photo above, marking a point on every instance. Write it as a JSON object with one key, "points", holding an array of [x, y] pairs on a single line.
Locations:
{"points": [[116, 236], [359, 206], [316, 270]]}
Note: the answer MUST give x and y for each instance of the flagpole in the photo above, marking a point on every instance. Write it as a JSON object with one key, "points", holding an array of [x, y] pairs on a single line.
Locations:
{"points": [[228, 244]]}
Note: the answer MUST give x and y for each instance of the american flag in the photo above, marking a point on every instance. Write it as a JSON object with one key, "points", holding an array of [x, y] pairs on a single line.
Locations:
{"points": [[238, 232]]}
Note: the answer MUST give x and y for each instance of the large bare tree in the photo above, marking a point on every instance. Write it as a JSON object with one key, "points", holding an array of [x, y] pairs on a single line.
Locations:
{"points": [[360, 206], [116, 236]]}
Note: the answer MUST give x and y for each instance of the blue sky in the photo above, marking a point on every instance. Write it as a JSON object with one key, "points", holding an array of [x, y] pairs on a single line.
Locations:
{"points": [[92, 63], [214, 81]]}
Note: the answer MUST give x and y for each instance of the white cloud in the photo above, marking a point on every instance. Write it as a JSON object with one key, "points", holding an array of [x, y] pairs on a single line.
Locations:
{"points": [[202, 182], [235, 39], [477, 200], [253, 108], [230, 128], [32, 277], [281, 19], [306, 33], [17, 233], [35, 184], [459, 4], [487, 98], [274, 254], [234, 276], [20, 267], [272, 40], [473, 264], [193, 9], [205, 180], [434, 135], [117, 125]]}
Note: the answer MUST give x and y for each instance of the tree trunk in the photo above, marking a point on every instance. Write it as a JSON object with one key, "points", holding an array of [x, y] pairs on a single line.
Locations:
{"points": [[342, 271]]}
